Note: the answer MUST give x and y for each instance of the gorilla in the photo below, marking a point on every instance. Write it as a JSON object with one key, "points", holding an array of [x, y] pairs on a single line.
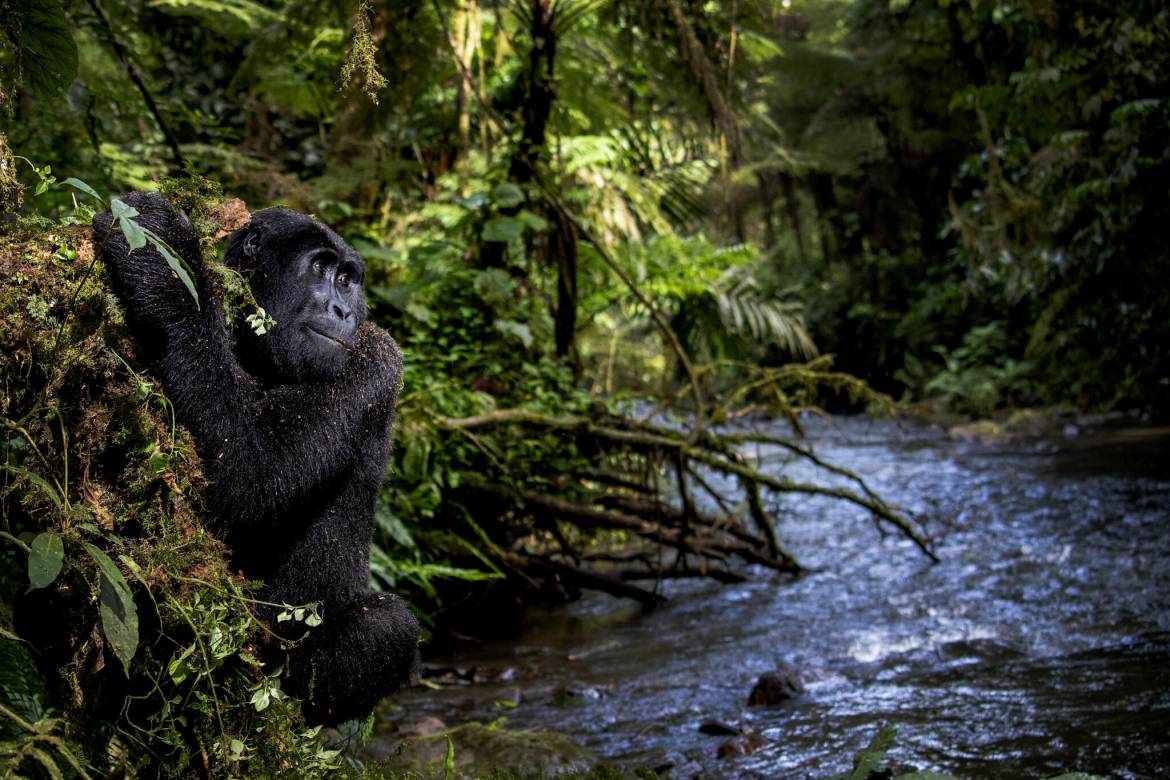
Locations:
{"points": [[293, 428]]}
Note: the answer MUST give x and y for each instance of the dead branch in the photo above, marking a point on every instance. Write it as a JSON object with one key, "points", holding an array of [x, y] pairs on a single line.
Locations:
{"points": [[576, 576]]}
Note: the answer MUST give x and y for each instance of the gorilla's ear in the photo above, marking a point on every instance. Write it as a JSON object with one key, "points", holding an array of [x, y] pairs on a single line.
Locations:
{"points": [[252, 239], [244, 246]]}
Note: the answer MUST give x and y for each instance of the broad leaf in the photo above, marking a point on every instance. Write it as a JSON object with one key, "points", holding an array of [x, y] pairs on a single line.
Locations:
{"points": [[78, 184], [507, 195], [495, 285], [48, 55], [46, 554], [124, 213], [181, 269], [118, 613], [532, 220], [502, 229], [517, 329], [38, 481]]}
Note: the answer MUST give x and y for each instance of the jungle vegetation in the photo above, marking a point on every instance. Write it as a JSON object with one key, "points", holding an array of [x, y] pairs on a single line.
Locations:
{"points": [[603, 231]]}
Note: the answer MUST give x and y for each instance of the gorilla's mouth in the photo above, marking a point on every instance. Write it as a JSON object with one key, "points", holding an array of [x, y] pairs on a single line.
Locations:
{"points": [[327, 337]]}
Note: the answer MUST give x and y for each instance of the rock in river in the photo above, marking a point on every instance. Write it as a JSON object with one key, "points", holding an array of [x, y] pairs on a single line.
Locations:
{"points": [[776, 687], [743, 745]]}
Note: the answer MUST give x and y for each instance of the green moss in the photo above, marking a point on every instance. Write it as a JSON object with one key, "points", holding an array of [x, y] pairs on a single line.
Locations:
{"points": [[90, 454], [483, 751]]}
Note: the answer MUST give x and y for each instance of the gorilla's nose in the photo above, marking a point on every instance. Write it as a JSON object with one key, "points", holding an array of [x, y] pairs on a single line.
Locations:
{"points": [[341, 311]]}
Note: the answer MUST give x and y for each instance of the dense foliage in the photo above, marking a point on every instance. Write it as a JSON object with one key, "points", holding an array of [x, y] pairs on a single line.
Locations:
{"points": [[568, 207]]}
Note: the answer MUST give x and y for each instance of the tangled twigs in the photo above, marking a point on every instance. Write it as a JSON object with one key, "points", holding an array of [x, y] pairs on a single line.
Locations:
{"points": [[662, 530]]}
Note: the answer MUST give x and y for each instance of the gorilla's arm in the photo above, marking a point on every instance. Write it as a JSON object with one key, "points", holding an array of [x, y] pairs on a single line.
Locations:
{"points": [[262, 457], [267, 450]]}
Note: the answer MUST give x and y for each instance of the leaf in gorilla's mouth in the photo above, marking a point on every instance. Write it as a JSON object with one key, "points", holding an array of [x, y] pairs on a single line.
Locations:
{"points": [[326, 336]]}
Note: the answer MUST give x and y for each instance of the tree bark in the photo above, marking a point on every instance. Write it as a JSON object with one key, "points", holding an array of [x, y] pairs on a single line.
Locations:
{"points": [[696, 57]]}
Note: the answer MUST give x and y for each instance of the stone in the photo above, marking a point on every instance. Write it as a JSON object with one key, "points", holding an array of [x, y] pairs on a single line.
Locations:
{"points": [[718, 728], [743, 745], [776, 687], [423, 728]]}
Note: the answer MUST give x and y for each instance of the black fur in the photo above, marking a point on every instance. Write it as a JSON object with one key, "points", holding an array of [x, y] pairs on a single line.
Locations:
{"points": [[293, 428]]}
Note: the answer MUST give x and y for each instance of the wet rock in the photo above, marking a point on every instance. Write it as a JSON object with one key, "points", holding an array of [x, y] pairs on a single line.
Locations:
{"points": [[492, 674], [718, 728], [743, 745], [983, 431], [447, 675], [776, 687], [576, 693], [681, 766], [422, 728], [481, 751]]}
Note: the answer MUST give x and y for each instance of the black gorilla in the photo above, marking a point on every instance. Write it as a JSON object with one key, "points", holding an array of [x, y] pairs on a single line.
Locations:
{"points": [[293, 428]]}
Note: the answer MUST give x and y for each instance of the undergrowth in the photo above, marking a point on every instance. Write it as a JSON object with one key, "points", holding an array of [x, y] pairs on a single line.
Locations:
{"points": [[149, 651]]}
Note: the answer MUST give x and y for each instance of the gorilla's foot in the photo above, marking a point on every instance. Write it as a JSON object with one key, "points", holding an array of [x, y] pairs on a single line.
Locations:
{"points": [[355, 658]]}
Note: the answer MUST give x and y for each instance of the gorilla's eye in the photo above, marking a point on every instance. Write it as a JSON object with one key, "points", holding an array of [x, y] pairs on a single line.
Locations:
{"points": [[344, 279], [319, 266]]}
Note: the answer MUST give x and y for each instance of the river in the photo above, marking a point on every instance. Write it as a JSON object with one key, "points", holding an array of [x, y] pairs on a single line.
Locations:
{"points": [[1039, 644]]}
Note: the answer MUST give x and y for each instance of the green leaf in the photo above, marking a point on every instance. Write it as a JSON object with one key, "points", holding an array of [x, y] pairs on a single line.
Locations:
{"points": [[124, 213], [48, 54], [46, 554], [138, 236], [176, 263], [414, 462], [179, 668], [393, 527], [449, 760], [517, 329], [420, 313], [502, 229], [445, 214], [121, 209], [261, 699], [495, 285], [118, 613], [507, 195], [532, 221], [38, 481], [870, 759], [78, 184]]}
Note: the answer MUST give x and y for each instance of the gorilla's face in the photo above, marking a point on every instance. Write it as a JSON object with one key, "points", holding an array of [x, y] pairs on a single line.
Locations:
{"points": [[310, 281]]}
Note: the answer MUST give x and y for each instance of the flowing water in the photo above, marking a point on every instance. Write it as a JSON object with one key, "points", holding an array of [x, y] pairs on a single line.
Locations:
{"points": [[1039, 644]]}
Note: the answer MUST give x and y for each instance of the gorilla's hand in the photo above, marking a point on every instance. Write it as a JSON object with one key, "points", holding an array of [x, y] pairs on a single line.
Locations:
{"points": [[373, 373], [152, 293]]}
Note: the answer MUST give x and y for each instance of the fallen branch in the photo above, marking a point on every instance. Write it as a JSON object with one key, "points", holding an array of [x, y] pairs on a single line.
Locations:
{"points": [[598, 518], [582, 578], [715, 451]]}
